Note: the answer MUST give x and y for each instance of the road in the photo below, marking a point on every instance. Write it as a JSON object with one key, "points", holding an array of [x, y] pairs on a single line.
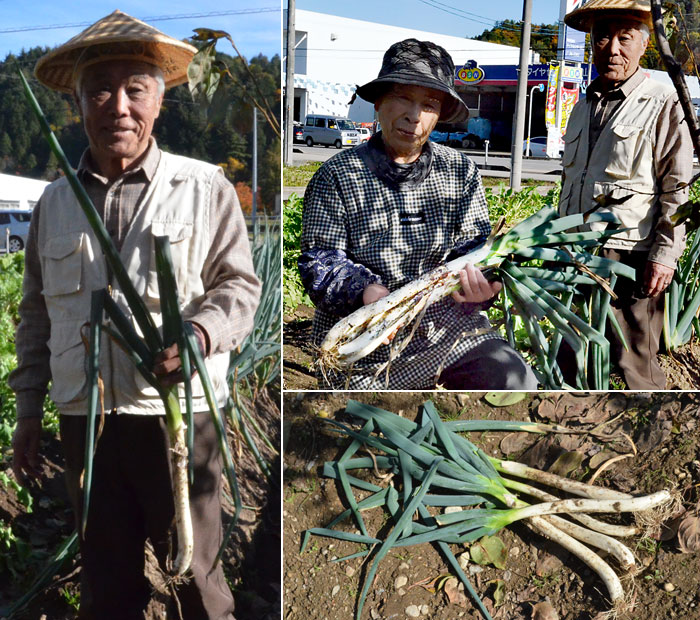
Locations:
{"points": [[496, 161]]}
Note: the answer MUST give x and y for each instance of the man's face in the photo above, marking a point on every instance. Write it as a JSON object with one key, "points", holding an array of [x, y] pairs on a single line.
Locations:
{"points": [[618, 44], [119, 102], [408, 114]]}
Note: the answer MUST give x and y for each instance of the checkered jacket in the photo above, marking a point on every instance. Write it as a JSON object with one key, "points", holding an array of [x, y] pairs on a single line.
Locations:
{"points": [[357, 229]]}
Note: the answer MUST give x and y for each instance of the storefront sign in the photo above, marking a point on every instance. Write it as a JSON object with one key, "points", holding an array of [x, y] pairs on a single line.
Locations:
{"points": [[572, 74], [569, 97], [550, 113], [470, 73]]}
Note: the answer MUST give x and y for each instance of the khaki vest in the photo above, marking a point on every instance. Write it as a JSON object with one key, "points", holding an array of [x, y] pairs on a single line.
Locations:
{"points": [[176, 204], [621, 160]]}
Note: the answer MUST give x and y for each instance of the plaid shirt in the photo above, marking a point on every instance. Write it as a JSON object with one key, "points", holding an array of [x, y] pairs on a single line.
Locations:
{"points": [[358, 229], [233, 290]]}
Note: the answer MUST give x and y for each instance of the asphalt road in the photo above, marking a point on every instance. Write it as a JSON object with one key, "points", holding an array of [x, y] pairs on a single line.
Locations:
{"points": [[496, 161]]}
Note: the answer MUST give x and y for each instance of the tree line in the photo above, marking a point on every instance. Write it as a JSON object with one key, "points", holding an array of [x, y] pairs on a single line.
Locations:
{"points": [[544, 39], [181, 128]]}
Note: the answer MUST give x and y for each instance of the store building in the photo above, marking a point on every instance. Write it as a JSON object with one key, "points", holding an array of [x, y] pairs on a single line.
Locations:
{"points": [[334, 54]]}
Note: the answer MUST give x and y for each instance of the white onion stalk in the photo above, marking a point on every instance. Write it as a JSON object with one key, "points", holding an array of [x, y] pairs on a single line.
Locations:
{"points": [[360, 333], [592, 559], [181, 495], [635, 504], [610, 529], [565, 484], [614, 547]]}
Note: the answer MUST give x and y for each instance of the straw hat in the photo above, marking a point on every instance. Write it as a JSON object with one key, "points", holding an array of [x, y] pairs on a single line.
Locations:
{"points": [[418, 63], [583, 17], [115, 37]]}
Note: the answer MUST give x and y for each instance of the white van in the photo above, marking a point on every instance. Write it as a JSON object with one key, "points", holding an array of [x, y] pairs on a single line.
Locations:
{"points": [[14, 228], [330, 130]]}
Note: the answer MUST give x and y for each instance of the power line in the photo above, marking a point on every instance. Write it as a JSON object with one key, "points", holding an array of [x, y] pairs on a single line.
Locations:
{"points": [[158, 18]]}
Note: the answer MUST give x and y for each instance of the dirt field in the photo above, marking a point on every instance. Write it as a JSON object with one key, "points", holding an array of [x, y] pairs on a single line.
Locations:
{"points": [[682, 369], [664, 429], [251, 561]]}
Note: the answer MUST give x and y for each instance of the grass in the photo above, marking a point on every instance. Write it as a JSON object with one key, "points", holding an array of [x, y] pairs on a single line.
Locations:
{"points": [[299, 176]]}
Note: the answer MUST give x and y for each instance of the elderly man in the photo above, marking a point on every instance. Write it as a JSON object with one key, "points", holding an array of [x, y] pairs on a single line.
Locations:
{"points": [[628, 147], [118, 70], [392, 209]]}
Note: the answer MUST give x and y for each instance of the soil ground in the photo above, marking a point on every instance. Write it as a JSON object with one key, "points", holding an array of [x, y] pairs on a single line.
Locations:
{"points": [[251, 560], [663, 427], [682, 369]]}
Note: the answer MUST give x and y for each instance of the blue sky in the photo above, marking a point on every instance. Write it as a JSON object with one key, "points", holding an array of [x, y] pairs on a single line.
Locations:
{"points": [[452, 17], [253, 33]]}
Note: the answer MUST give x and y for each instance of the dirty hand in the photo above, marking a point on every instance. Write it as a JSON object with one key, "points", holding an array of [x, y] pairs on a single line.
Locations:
{"points": [[657, 277], [25, 447], [372, 293], [475, 287], [168, 367]]}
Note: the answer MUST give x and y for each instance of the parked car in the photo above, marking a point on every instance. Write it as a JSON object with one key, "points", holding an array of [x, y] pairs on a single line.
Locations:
{"points": [[298, 132], [538, 147], [462, 139], [330, 131], [364, 133], [17, 222]]}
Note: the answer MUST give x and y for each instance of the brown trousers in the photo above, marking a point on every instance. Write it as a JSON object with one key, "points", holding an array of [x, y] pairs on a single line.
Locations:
{"points": [[130, 501], [641, 321]]}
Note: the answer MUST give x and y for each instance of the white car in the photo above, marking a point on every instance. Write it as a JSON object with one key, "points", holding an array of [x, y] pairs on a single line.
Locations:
{"points": [[365, 134], [538, 147]]}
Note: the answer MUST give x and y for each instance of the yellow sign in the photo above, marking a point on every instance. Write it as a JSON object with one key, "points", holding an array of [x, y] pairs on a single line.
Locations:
{"points": [[471, 76]]}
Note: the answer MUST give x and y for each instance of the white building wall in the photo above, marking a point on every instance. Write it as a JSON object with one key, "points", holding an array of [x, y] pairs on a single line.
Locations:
{"points": [[334, 54], [19, 192]]}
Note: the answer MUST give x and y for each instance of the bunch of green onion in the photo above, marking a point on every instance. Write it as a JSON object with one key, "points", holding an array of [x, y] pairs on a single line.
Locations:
{"points": [[437, 467], [142, 351], [542, 237]]}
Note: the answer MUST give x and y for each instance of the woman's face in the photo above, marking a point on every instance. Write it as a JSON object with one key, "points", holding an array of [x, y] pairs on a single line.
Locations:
{"points": [[408, 114]]}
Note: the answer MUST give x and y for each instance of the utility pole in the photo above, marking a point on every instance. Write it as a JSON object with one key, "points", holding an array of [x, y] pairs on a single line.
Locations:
{"points": [[516, 154], [289, 85], [255, 166]]}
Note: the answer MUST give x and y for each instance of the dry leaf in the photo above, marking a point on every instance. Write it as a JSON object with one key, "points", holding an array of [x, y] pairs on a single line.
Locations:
{"points": [[566, 463], [544, 611], [689, 534], [548, 409], [516, 442]]}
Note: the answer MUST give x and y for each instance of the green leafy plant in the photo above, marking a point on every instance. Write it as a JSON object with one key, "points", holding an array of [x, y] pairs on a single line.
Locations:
{"points": [[292, 288]]}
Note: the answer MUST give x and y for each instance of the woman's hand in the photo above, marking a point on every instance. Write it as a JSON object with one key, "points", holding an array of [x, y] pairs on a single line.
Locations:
{"points": [[475, 287]]}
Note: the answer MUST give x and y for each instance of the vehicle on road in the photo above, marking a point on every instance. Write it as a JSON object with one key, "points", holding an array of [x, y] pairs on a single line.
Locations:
{"points": [[298, 132], [365, 134], [330, 131], [538, 147], [16, 222], [461, 139]]}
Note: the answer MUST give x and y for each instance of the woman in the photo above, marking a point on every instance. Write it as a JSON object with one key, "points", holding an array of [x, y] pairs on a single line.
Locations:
{"points": [[392, 209]]}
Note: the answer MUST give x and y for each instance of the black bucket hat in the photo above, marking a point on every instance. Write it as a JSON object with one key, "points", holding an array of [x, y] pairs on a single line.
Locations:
{"points": [[419, 63]]}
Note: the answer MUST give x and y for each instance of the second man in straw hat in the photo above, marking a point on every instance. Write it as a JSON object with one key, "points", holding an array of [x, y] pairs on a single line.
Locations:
{"points": [[628, 146]]}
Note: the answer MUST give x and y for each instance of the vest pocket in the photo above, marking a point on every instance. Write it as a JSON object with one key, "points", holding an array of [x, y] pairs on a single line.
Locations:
{"points": [[68, 363], [179, 234], [623, 149], [63, 264]]}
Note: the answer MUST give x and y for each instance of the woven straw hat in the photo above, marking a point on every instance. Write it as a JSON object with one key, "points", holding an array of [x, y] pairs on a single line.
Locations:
{"points": [[583, 17], [115, 37], [419, 63]]}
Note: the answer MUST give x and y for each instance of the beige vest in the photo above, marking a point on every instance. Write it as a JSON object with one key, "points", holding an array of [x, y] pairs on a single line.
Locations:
{"points": [[621, 160], [176, 204]]}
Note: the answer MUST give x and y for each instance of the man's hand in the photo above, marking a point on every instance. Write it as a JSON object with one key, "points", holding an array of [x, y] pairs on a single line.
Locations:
{"points": [[475, 287], [25, 447], [168, 367], [657, 277]]}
